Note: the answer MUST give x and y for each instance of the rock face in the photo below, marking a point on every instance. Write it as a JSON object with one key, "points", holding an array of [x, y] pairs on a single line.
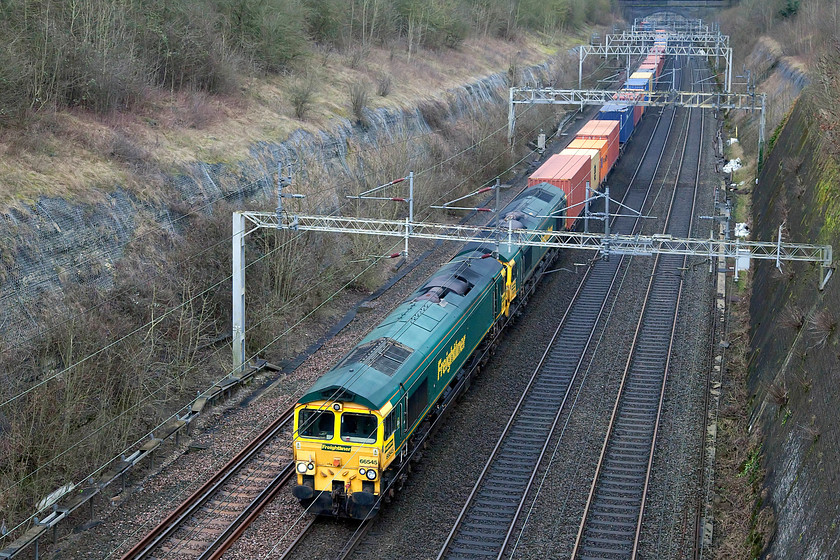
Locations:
{"points": [[795, 364], [55, 243]]}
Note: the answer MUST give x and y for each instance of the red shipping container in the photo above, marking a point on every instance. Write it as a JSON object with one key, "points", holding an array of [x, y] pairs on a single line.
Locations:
{"points": [[638, 111], [569, 173], [659, 60], [603, 130]]}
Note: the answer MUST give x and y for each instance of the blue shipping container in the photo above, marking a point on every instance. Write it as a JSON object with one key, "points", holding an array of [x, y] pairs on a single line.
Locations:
{"points": [[622, 113], [637, 83]]}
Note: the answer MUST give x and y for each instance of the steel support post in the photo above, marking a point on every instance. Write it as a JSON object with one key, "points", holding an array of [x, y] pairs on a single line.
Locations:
{"points": [[762, 122], [238, 274], [586, 209], [627, 77], [729, 70], [511, 118], [411, 194], [580, 67]]}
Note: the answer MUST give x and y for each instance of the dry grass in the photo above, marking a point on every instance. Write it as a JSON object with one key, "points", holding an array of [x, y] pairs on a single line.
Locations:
{"points": [[793, 317], [66, 154], [778, 393], [822, 326], [743, 521]]}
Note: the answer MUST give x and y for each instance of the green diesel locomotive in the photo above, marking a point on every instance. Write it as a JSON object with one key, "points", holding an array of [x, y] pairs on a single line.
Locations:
{"points": [[355, 428]]}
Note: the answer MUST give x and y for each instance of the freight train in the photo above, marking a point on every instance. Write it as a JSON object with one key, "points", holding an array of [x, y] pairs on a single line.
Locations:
{"points": [[355, 429]]}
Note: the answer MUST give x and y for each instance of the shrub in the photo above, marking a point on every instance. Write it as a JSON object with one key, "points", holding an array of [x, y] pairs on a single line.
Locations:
{"points": [[779, 394], [823, 325], [301, 95], [383, 84], [356, 56], [793, 317], [359, 101]]}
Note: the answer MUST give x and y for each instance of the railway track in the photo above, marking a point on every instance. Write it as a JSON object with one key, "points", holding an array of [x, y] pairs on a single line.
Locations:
{"points": [[341, 537], [206, 524], [612, 520], [490, 513], [229, 506]]}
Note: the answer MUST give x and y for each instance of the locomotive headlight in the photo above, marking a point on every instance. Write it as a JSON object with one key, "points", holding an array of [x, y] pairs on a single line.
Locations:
{"points": [[371, 474], [363, 471], [301, 468], [310, 466]]}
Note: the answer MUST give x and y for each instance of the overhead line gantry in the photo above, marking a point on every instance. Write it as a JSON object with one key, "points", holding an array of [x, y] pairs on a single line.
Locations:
{"points": [[606, 245], [638, 49], [690, 99]]}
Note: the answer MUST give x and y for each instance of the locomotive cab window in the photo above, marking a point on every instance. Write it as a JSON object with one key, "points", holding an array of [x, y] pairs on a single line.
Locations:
{"points": [[318, 424], [358, 428]]}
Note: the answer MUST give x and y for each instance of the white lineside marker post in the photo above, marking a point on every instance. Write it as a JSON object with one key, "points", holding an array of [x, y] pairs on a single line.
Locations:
{"points": [[580, 67]]}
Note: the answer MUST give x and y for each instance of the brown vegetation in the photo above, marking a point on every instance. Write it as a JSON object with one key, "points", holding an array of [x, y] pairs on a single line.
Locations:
{"points": [[159, 335], [822, 326], [97, 93]]}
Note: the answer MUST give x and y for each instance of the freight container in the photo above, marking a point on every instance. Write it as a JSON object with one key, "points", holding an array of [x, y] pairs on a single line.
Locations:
{"points": [[623, 114], [644, 75], [602, 130], [650, 66], [656, 59], [595, 156], [638, 84], [632, 96], [599, 144], [569, 173], [652, 69]]}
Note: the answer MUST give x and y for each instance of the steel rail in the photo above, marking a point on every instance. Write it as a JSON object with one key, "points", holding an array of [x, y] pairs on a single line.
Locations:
{"points": [[287, 554], [357, 536], [235, 530], [623, 394], [450, 543], [183, 512]]}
